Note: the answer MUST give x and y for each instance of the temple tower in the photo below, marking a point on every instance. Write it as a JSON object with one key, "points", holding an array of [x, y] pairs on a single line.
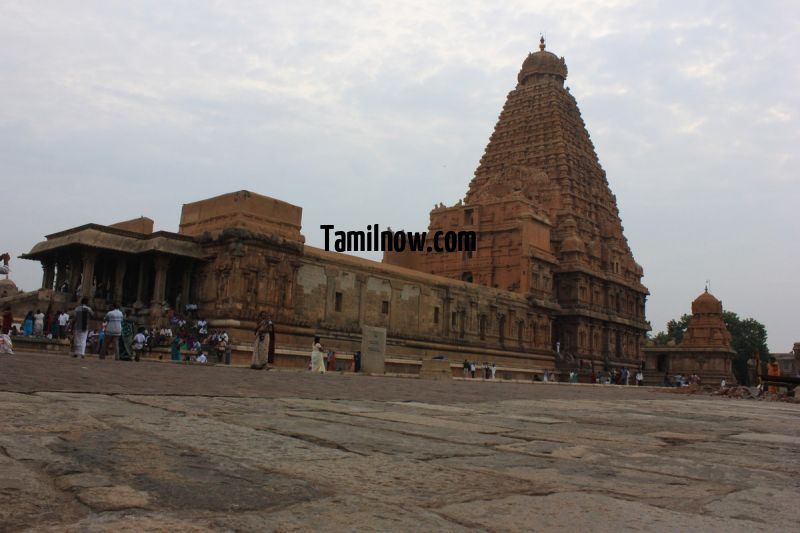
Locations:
{"points": [[547, 222]]}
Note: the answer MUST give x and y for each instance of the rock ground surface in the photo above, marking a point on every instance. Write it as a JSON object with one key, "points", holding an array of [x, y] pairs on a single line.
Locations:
{"points": [[89, 445]]}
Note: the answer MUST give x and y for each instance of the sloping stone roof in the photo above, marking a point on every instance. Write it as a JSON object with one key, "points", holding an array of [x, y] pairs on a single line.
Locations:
{"points": [[109, 238]]}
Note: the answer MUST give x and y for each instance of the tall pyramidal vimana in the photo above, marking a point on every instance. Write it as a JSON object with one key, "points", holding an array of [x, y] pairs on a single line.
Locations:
{"points": [[547, 224]]}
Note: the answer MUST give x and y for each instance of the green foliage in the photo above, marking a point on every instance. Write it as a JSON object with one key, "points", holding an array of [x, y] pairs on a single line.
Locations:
{"points": [[675, 331], [748, 337]]}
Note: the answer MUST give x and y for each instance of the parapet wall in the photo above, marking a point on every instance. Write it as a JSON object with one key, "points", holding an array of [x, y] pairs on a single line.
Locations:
{"points": [[242, 210]]}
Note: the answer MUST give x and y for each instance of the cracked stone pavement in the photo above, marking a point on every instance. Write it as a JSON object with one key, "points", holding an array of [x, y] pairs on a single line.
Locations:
{"points": [[88, 445]]}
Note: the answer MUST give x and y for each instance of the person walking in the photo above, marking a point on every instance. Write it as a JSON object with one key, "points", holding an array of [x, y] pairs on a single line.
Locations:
{"points": [[113, 320], [261, 345], [80, 329], [317, 357], [357, 362], [639, 378]]}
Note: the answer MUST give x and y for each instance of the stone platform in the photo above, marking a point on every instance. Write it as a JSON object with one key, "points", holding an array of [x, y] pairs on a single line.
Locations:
{"points": [[89, 445]]}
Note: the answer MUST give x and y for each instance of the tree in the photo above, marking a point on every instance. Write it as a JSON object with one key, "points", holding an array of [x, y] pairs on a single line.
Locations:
{"points": [[675, 331], [748, 336]]}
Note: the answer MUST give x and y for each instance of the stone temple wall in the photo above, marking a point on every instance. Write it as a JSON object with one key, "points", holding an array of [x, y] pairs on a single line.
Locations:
{"points": [[308, 292]]}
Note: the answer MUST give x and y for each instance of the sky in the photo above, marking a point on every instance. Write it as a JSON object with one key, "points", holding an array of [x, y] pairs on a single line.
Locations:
{"points": [[372, 112]]}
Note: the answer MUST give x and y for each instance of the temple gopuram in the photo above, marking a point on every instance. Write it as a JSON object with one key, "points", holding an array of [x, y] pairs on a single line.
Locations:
{"points": [[552, 283], [547, 225]]}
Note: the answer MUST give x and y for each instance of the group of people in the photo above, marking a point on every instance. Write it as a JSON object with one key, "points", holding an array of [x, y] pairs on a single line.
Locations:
{"points": [[116, 337], [325, 361], [51, 324], [487, 370], [613, 377], [680, 380]]}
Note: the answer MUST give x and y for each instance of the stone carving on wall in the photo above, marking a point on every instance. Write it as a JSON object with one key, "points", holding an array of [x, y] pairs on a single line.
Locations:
{"points": [[514, 181]]}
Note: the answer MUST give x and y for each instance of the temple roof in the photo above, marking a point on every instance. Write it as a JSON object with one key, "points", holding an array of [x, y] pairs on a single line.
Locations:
{"points": [[542, 62], [118, 240], [706, 304]]}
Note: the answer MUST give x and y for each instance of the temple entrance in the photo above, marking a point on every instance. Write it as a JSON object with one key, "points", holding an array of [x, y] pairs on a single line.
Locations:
{"points": [[662, 363]]}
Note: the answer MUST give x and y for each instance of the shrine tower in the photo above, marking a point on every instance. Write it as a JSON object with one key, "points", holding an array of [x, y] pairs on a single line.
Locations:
{"points": [[547, 223]]}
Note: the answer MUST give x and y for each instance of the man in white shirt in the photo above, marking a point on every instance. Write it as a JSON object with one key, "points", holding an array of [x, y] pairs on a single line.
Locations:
{"points": [[202, 359], [63, 320], [114, 320]]}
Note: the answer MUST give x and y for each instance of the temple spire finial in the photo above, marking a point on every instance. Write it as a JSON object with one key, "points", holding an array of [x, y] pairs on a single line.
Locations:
{"points": [[541, 42]]}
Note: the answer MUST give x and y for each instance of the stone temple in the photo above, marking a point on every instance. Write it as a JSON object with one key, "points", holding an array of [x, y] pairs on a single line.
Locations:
{"points": [[552, 284], [705, 349], [547, 223]]}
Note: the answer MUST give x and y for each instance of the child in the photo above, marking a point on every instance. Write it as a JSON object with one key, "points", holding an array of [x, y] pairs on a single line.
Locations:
{"points": [[139, 341]]}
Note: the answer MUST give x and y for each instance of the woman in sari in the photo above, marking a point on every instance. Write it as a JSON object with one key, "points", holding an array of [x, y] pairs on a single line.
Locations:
{"points": [[27, 324], [175, 349], [317, 357], [261, 345]]}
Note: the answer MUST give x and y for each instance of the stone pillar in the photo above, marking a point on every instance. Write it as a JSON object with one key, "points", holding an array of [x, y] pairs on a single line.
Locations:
{"points": [[74, 273], [89, 256], [185, 285], [160, 281], [140, 284], [61, 274], [119, 277], [48, 274]]}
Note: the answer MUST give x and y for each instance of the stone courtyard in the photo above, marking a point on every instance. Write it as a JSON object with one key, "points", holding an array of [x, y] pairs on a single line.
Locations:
{"points": [[90, 445]]}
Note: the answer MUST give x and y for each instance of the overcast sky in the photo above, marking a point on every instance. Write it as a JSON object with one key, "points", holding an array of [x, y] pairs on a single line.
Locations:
{"points": [[365, 112]]}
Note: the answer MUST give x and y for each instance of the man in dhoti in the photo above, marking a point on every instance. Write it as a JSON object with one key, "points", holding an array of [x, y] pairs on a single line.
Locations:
{"points": [[81, 327], [317, 358], [261, 346]]}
